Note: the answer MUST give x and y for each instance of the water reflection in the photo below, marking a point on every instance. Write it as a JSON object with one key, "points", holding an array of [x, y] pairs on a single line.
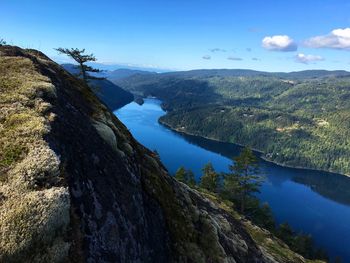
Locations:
{"points": [[330, 185]]}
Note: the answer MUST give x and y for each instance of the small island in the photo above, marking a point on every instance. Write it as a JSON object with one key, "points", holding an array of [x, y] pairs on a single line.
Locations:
{"points": [[139, 101]]}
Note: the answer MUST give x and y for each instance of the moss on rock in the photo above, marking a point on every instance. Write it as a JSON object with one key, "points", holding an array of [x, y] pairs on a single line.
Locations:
{"points": [[32, 227], [34, 213]]}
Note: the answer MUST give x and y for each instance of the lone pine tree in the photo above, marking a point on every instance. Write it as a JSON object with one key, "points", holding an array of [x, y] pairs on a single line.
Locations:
{"points": [[81, 58]]}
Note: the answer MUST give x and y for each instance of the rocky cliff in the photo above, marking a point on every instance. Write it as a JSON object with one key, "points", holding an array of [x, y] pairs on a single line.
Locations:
{"points": [[75, 186]]}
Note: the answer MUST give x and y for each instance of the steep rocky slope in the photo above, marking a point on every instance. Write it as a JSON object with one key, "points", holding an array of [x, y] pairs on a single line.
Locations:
{"points": [[75, 186]]}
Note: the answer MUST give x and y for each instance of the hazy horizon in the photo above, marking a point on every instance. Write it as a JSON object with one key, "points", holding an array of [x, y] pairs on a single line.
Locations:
{"points": [[116, 66]]}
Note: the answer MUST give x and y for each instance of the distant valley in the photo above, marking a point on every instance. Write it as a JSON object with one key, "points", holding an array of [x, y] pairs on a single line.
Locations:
{"points": [[298, 119]]}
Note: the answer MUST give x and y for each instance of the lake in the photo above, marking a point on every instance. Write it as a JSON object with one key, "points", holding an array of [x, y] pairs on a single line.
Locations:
{"points": [[314, 202]]}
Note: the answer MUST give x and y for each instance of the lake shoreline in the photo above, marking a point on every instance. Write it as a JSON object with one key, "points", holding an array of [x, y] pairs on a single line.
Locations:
{"points": [[299, 196], [261, 153]]}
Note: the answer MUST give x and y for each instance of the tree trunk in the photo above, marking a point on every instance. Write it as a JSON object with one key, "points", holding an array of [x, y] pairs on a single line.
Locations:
{"points": [[83, 72]]}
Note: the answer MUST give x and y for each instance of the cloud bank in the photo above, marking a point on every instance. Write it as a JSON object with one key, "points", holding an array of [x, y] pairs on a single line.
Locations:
{"points": [[306, 59], [337, 39], [279, 43], [207, 57]]}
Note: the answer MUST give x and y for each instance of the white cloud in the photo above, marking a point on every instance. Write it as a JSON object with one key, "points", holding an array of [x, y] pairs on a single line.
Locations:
{"points": [[279, 43], [207, 57], [337, 39], [306, 59], [235, 58]]}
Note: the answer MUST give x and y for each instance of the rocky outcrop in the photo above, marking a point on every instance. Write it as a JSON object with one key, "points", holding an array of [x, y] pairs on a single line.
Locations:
{"points": [[75, 186]]}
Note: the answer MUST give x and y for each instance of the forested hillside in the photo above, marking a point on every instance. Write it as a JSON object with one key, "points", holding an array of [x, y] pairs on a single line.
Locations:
{"points": [[297, 119]]}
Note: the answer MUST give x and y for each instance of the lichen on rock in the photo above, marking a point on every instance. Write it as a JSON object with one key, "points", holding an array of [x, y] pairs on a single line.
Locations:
{"points": [[35, 206], [33, 226]]}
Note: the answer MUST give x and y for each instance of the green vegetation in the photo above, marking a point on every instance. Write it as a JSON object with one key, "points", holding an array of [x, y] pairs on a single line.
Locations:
{"points": [[300, 243], [299, 119], [11, 154], [236, 189], [210, 179], [17, 84], [185, 176], [243, 180]]}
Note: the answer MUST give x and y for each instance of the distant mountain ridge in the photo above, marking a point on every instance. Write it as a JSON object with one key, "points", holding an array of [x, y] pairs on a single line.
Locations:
{"points": [[124, 73], [253, 73], [114, 73]]}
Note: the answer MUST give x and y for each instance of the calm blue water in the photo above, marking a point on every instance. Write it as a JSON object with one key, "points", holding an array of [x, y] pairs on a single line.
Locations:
{"points": [[310, 201]]}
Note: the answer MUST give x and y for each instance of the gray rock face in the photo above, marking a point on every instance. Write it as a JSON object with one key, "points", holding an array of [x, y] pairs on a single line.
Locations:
{"points": [[124, 207], [116, 219], [106, 133]]}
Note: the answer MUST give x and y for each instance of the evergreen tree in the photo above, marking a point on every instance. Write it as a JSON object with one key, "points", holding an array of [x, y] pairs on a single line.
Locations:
{"points": [[209, 179], [261, 215], [185, 176], [81, 58], [191, 182], [243, 179], [2, 42], [303, 244], [286, 233], [180, 174]]}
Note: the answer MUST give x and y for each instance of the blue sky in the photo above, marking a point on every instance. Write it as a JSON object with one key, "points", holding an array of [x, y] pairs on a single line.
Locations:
{"points": [[179, 35]]}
